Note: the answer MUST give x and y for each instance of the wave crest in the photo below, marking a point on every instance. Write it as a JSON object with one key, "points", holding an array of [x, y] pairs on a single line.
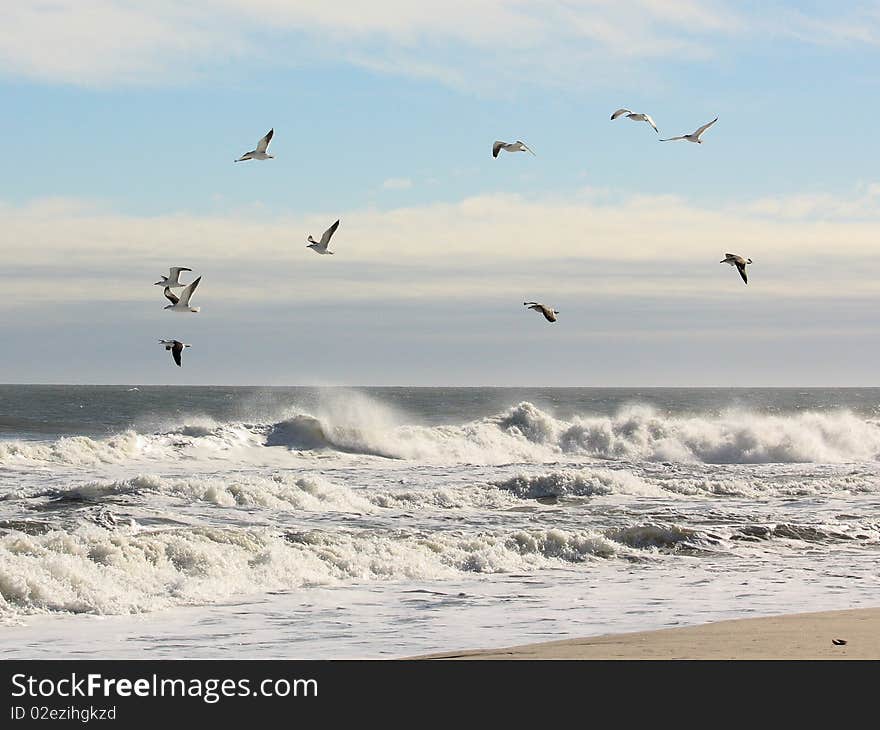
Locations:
{"points": [[522, 434], [576, 483], [95, 570]]}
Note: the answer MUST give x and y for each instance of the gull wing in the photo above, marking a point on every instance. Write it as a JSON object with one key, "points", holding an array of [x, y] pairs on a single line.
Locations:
{"points": [[174, 272], [525, 146], [263, 144], [171, 296], [672, 139], [496, 148], [651, 122], [325, 239], [705, 127], [620, 112], [188, 290], [742, 271], [175, 352]]}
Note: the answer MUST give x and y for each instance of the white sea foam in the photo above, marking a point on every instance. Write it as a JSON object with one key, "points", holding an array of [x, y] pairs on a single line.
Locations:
{"points": [[578, 483], [284, 491], [522, 434], [104, 571], [733, 437], [111, 571], [280, 491], [76, 450]]}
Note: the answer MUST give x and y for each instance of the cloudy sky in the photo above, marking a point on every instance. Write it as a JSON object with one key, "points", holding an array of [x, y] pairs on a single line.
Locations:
{"points": [[121, 121]]}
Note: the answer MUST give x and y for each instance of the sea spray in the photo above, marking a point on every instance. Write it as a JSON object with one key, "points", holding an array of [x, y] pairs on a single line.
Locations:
{"points": [[522, 434]]}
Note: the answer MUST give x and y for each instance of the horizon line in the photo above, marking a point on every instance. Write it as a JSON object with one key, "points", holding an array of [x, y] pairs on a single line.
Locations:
{"points": [[363, 385]]}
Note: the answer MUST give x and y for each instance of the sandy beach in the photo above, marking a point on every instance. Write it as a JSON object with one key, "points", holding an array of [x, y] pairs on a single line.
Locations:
{"points": [[793, 636]]}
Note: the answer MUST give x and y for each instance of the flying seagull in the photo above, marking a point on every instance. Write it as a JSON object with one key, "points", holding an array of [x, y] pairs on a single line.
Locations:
{"points": [[739, 262], [321, 246], [260, 153], [510, 147], [181, 303], [176, 347], [549, 314], [172, 281], [636, 117], [695, 137]]}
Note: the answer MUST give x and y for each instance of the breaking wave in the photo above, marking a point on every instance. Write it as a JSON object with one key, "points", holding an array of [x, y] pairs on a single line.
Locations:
{"points": [[576, 483], [112, 571], [278, 492], [522, 434]]}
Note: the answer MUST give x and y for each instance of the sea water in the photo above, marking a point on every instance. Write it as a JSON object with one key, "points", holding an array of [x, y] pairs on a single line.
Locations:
{"points": [[189, 522]]}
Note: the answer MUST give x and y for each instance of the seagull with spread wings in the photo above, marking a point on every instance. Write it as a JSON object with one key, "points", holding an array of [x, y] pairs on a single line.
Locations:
{"points": [[517, 146], [739, 262], [549, 314], [172, 281], [181, 303], [176, 347], [636, 117], [321, 246], [260, 153], [695, 137]]}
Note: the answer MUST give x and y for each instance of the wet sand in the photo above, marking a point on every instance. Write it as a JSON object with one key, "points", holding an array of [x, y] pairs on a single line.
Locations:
{"points": [[793, 636]]}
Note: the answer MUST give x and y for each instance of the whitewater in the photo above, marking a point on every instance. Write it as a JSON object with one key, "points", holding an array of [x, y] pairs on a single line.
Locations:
{"points": [[388, 522]]}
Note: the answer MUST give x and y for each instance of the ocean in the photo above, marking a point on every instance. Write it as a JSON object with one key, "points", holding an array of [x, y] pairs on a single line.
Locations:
{"points": [[313, 523]]}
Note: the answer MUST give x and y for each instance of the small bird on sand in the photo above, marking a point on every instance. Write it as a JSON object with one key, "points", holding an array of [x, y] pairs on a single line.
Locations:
{"points": [[838, 642], [176, 347], [549, 314], [739, 262], [510, 147]]}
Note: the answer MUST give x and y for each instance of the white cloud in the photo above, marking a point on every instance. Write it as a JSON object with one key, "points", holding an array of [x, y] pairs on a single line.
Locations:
{"points": [[864, 204], [483, 246], [98, 42], [103, 42]]}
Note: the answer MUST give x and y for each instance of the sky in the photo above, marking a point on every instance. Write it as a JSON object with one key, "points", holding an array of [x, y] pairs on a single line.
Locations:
{"points": [[121, 121]]}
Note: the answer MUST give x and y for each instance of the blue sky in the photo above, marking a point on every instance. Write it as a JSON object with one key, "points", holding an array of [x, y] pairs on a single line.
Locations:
{"points": [[118, 162]]}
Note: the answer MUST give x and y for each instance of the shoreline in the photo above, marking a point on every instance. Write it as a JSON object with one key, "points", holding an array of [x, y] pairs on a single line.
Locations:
{"points": [[787, 636]]}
